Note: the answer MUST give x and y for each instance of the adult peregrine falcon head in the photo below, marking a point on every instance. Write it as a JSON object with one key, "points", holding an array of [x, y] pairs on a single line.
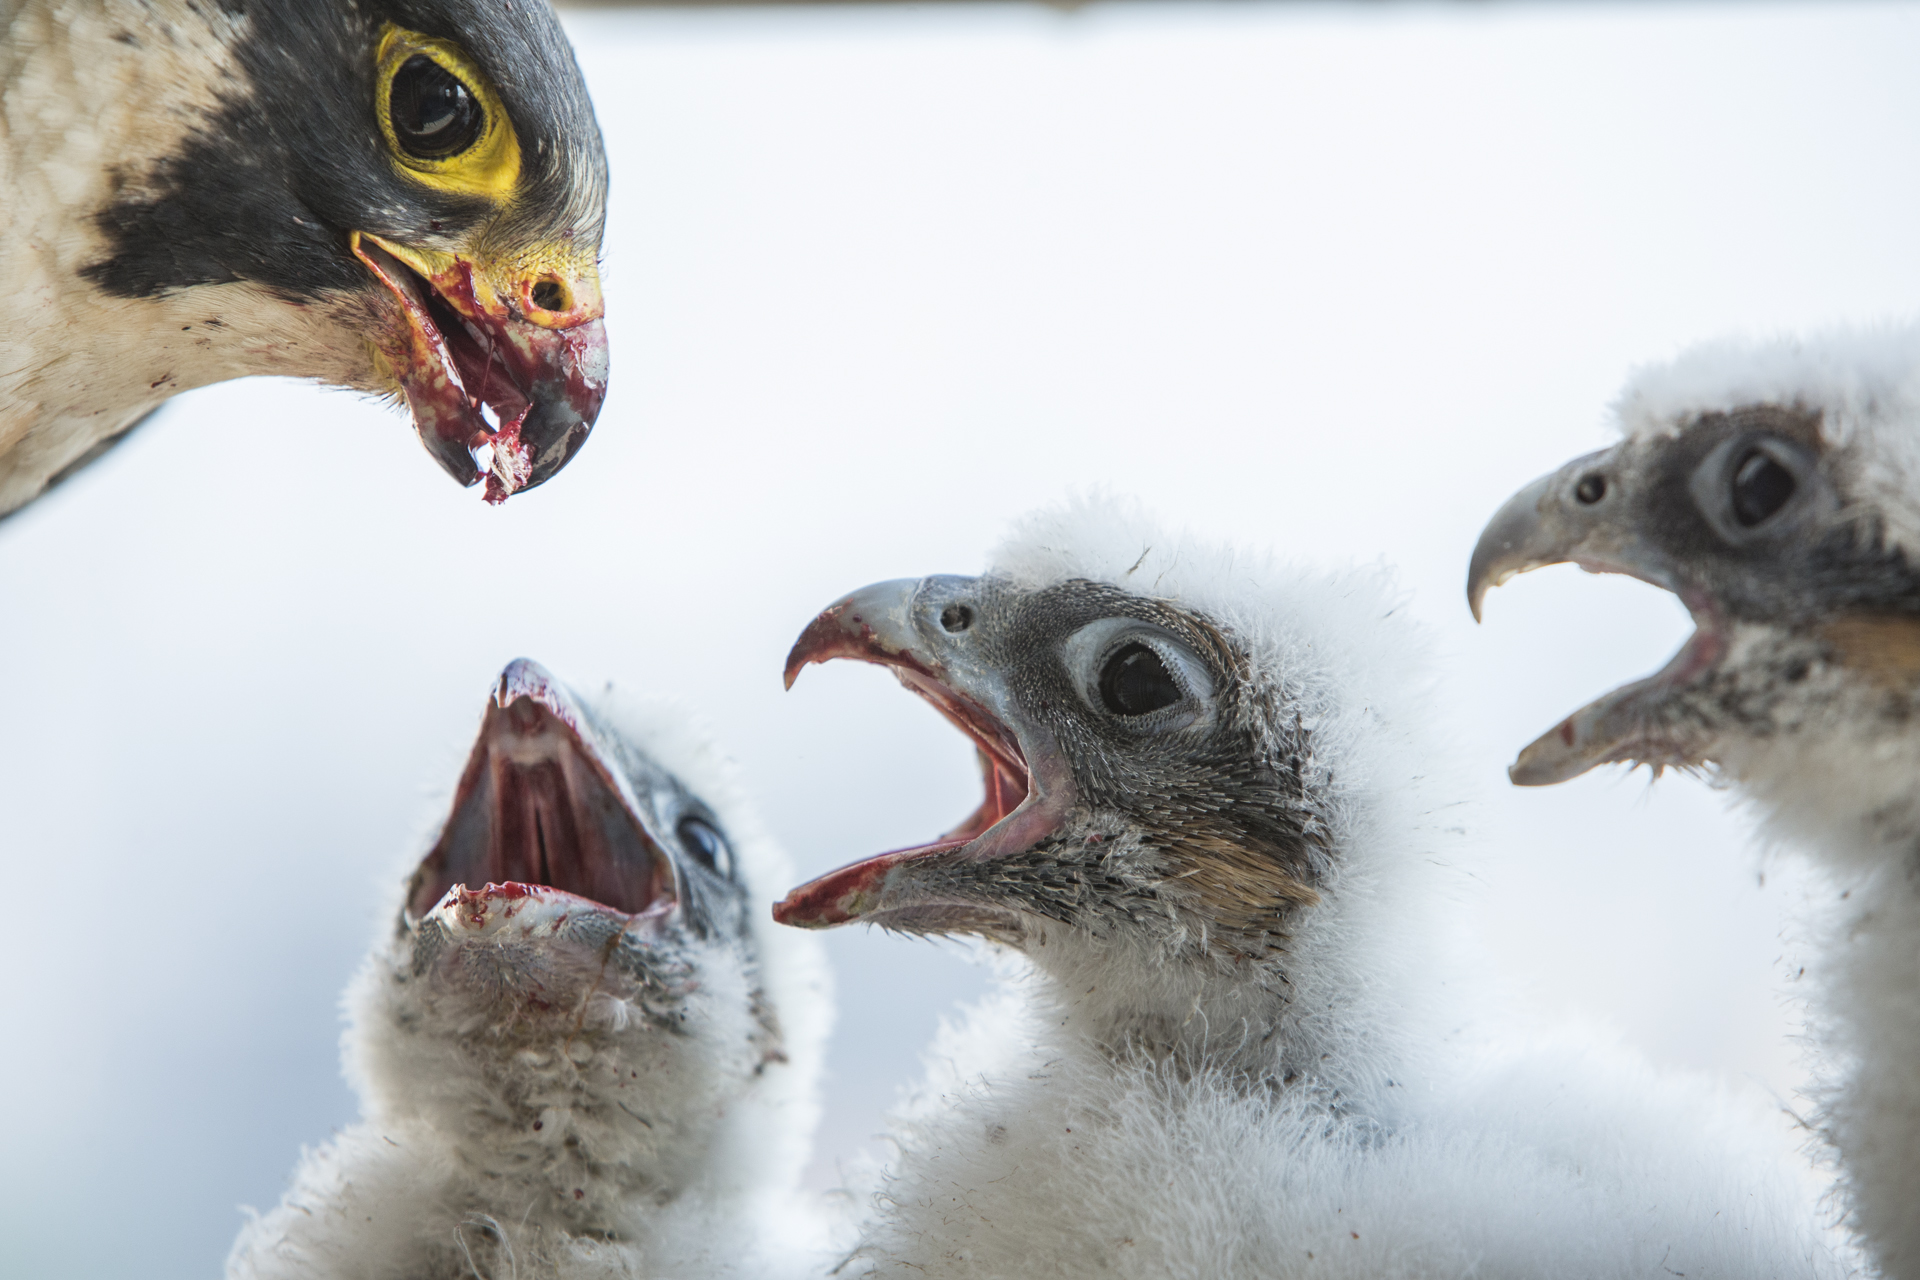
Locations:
{"points": [[1773, 489], [399, 196]]}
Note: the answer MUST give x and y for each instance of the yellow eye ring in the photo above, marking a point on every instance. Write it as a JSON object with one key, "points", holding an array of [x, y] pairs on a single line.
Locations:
{"points": [[490, 166]]}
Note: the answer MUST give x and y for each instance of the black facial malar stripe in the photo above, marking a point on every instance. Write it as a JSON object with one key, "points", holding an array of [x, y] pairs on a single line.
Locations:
{"points": [[268, 186]]}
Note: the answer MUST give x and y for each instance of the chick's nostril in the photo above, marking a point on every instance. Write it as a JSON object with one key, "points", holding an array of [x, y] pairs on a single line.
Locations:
{"points": [[551, 295], [1591, 488], [956, 617]]}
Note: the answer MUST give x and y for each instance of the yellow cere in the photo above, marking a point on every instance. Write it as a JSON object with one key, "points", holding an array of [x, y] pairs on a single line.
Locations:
{"points": [[490, 168]]}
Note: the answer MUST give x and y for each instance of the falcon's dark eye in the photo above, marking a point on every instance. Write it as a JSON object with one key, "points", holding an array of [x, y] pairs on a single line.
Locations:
{"points": [[1761, 486], [1135, 681], [705, 843], [434, 115]]}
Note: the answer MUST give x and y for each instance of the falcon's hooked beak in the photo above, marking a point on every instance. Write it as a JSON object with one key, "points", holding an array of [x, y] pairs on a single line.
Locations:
{"points": [[522, 341], [916, 629], [1581, 514], [543, 826]]}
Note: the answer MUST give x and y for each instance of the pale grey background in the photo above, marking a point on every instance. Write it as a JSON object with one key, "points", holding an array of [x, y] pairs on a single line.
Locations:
{"points": [[1332, 279]]}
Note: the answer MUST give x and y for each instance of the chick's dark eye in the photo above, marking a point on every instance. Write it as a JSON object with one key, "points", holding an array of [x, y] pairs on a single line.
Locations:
{"points": [[1761, 486], [700, 839], [1135, 681], [434, 115]]}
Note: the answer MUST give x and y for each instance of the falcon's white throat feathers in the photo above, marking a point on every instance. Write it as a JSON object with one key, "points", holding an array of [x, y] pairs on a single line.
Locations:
{"points": [[582, 1052], [402, 197], [1775, 488], [1238, 1042]]}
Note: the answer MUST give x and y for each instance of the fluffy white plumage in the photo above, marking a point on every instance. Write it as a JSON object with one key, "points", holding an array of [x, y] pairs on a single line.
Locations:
{"points": [[443, 1176], [1116, 1110]]}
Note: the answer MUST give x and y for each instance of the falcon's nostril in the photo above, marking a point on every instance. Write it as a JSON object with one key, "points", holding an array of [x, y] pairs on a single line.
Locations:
{"points": [[551, 295], [956, 617], [1591, 489]]}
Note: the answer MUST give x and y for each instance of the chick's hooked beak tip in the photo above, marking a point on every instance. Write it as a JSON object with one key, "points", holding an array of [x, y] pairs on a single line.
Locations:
{"points": [[872, 624], [1510, 545], [814, 645], [1573, 515]]}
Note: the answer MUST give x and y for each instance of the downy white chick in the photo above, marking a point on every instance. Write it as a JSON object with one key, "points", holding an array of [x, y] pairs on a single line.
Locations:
{"points": [[1775, 488], [578, 1052], [1235, 1046]]}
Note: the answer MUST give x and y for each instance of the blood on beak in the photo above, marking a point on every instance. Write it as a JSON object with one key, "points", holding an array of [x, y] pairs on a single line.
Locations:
{"points": [[505, 366]]}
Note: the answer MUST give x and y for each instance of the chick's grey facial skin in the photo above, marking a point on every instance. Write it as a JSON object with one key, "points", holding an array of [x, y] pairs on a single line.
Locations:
{"points": [[1127, 769]]}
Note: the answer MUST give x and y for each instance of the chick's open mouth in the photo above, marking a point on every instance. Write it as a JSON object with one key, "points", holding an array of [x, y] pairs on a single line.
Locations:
{"points": [[1582, 514], [1643, 722], [1003, 765], [538, 814], [1011, 816]]}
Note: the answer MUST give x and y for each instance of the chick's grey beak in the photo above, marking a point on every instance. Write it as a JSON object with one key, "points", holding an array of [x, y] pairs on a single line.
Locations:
{"points": [[1576, 515], [908, 624], [1512, 543], [874, 624]]}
